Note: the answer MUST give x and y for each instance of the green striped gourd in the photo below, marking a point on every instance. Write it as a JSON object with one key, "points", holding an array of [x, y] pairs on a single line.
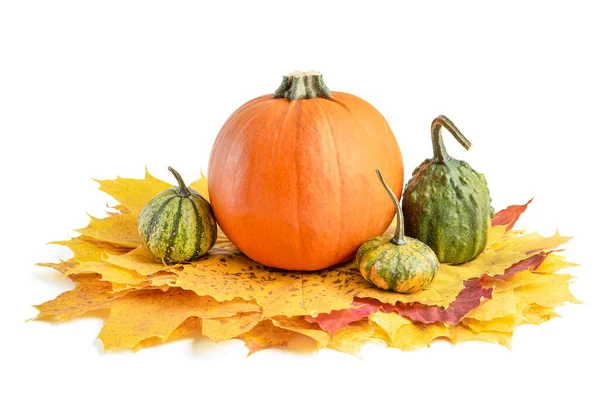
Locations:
{"points": [[396, 262], [447, 204], [178, 224]]}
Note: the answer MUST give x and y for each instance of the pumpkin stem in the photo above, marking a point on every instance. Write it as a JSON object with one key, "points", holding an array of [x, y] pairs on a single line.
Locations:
{"points": [[302, 85], [182, 190], [440, 155], [399, 235]]}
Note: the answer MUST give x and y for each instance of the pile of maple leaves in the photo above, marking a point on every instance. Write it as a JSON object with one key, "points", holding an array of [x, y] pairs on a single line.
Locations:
{"points": [[225, 295]]}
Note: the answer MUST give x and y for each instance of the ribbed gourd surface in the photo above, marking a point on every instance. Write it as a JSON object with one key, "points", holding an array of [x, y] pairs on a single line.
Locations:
{"points": [[402, 268], [177, 229], [448, 207]]}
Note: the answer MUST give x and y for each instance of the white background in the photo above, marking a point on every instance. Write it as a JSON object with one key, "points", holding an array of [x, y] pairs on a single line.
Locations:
{"points": [[104, 88]]}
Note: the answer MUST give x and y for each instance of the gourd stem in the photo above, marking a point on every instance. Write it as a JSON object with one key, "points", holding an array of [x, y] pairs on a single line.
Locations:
{"points": [[302, 85], [182, 190], [440, 155], [399, 235]]}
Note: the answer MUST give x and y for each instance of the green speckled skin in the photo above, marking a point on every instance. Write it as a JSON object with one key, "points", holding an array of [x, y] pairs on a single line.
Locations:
{"points": [[405, 268], [177, 228], [448, 207]]}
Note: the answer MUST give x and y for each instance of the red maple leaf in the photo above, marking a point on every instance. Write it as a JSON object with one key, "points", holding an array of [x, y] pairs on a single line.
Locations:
{"points": [[469, 298], [530, 263], [338, 319], [509, 216]]}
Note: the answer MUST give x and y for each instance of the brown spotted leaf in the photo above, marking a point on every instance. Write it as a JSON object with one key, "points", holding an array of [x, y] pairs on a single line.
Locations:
{"points": [[225, 277]]}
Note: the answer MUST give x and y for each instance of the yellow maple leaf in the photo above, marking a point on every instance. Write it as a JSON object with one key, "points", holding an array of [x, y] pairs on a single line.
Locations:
{"points": [[265, 335], [63, 267], [500, 305], [133, 194], [508, 249], [302, 326], [139, 260], [110, 273], [352, 338], [225, 295], [397, 331], [506, 323], [460, 333], [514, 299], [85, 248], [89, 294], [402, 333], [133, 318], [225, 328], [552, 292], [118, 229], [553, 263], [536, 314], [191, 327], [277, 292], [201, 186]]}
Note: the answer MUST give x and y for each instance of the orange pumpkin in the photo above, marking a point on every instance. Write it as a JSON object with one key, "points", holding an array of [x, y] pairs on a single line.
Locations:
{"points": [[291, 178]]}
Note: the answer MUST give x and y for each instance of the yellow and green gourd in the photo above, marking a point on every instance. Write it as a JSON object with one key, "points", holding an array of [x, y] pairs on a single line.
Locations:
{"points": [[178, 224], [396, 262], [447, 204]]}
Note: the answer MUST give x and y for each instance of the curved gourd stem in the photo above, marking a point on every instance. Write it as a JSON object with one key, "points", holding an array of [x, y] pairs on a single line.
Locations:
{"points": [[182, 190], [398, 238], [302, 85], [440, 155]]}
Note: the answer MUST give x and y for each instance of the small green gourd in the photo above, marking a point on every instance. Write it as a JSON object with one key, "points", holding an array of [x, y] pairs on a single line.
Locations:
{"points": [[447, 204], [178, 224], [396, 262]]}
